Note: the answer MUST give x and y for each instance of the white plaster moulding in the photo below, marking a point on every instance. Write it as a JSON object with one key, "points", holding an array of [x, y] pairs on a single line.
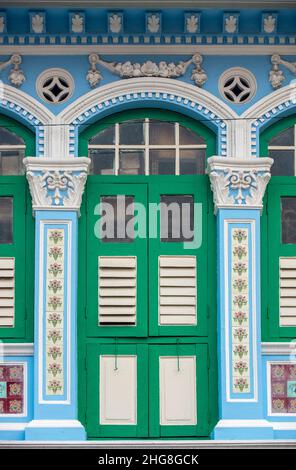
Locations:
{"points": [[55, 423], [270, 102], [47, 164], [168, 49], [278, 349], [243, 423], [16, 349]]}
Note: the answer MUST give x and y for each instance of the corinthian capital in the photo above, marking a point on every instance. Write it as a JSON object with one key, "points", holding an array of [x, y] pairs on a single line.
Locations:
{"points": [[56, 184], [238, 183]]}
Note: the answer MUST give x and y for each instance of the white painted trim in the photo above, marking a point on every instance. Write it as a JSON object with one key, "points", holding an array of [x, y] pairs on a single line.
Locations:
{"points": [[42, 295], [16, 349], [168, 49], [54, 423], [284, 426], [31, 110], [253, 341], [129, 87], [243, 423], [278, 349], [12, 426], [238, 72], [51, 73]]}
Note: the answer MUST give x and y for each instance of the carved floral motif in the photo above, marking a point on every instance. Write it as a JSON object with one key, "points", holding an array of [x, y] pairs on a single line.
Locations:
{"points": [[153, 23], [231, 24], [37, 23], [16, 75], [269, 23], [192, 23], [77, 23], [276, 76], [115, 23], [147, 69]]}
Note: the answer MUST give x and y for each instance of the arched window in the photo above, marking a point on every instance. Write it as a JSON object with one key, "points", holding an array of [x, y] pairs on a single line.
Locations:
{"points": [[279, 143], [148, 143], [16, 233], [15, 143], [279, 232]]}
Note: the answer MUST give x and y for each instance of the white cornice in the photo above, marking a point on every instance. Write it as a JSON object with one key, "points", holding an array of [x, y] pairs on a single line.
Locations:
{"points": [[16, 349], [278, 349], [168, 49]]}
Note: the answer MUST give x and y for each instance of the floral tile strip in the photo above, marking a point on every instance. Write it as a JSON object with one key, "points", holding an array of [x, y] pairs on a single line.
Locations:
{"points": [[11, 389], [55, 312], [283, 388], [240, 311]]}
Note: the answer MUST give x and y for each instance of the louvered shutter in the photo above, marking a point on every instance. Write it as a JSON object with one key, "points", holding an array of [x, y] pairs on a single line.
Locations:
{"points": [[177, 290], [7, 292], [287, 291], [117, 290]]}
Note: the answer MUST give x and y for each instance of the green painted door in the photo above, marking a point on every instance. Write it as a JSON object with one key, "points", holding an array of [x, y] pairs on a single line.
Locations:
{"points": [[148, 336]]}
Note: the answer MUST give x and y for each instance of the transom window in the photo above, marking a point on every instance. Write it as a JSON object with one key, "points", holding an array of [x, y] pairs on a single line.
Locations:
{"points": [[12, 152], [147, 147], [282, 148]]}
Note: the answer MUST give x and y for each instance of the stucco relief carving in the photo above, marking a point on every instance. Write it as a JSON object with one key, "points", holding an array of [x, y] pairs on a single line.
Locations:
{"points": [[16, 75], [147, 69], [238, 183], [56, 184], [276, 76]]}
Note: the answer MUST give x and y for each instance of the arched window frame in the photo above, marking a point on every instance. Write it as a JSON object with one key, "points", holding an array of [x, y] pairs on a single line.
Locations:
{"points": [[22, 246], [160, 115], [272, 246]]}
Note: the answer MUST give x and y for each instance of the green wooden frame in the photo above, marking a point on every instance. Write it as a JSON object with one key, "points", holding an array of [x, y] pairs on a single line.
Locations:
{"points": [[197, 187], [22, 247], [93, 390], [202, 392], [205, 339], [26, 134], [96, 247], [161, 115], [271, 248]]}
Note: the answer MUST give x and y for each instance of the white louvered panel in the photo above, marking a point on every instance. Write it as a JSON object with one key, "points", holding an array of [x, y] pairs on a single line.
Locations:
{"points": [[177, 290], [287, 291], [117, 290], [6, 292]]}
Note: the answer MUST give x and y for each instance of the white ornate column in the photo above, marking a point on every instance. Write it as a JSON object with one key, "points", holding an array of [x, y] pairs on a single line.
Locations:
{"points": [[56, 187], [238, 186]]}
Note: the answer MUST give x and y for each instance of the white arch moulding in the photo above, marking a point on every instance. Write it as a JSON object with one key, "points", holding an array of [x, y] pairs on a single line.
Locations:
{"points": [[173, 94], [33, 114], [274, 105]]}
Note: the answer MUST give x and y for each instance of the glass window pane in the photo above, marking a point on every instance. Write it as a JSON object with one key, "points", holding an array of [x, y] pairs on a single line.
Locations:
{"points": [[6, 220], [162, 162], [176, 218], [12, 162], [283, 162], [161, 133], [288, 211], [188, 137], [9, 138], [131, 133], [105, 137], [102, 161], [192, 162], [284, 138], [131, 162], [117, 212]]}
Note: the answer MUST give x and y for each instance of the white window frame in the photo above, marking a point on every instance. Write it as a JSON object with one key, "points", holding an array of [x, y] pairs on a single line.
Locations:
{"points": [[147, 147], [287, 147]]}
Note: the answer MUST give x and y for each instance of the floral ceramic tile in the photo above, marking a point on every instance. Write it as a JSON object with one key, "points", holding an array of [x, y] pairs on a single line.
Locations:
{"points": [[11, 389], [283, 389]]}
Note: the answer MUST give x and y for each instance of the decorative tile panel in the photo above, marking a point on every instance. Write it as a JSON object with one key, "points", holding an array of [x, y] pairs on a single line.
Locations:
{"points": [[11, 389], [283, 388], [55, 312], [240, 311]]}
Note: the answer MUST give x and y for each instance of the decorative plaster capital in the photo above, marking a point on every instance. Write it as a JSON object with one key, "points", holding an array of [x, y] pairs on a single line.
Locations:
{"points": [[238, 183], [56, 184]]}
